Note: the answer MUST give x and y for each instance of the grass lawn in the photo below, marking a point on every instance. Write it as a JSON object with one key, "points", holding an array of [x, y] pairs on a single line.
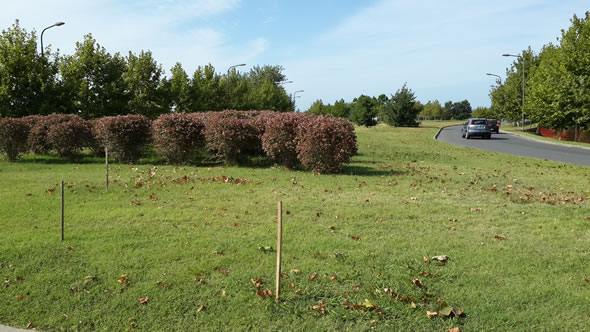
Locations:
{"points": [[196, 244]]}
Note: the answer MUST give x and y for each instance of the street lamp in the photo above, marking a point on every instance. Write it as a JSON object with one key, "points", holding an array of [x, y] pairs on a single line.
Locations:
{"points": [[284, 82], [498, 76], [57, 24], [230, 68], [295, 96], [520, 57]]}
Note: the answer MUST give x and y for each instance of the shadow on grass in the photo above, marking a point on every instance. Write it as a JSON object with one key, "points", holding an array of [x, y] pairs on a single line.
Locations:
{"points": [[369, 171]]}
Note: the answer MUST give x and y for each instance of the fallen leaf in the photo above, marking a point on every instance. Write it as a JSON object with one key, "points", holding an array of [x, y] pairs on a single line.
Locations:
{"points": [[475, 209], [220, 253], [499, 237], [30, 325], [418, 283], [264, 293], [454, 329], [143, 300], [295, 271], [133, 324], [445, 309], [431, 314], [426, 260], [334, 278], [122, 278], [291, 285], [313, 276], [356, 238], [441, 258], [19, 297], [586, 280], [19, 278]]}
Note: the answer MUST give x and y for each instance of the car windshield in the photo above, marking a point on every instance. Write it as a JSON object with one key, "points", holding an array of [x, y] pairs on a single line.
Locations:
{"points": [[478, 122]]}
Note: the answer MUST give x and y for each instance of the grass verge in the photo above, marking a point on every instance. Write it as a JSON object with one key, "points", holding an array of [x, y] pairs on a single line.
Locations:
{"points": [[196, 244]]}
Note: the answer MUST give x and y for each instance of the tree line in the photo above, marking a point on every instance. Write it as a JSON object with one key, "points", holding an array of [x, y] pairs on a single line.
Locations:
{"points": [[557, 82], [95, 83], [400, 109]]}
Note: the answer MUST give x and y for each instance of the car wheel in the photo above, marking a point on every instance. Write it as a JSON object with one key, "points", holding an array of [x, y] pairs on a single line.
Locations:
{"points": [[466, 135]]}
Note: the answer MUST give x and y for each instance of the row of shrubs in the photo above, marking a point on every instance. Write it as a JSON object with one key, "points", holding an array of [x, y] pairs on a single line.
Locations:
{"points": [[320, 143]]}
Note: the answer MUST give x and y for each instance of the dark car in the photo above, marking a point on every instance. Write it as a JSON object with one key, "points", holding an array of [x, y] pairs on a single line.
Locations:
{"points": [[494, 125], [476, 127]]}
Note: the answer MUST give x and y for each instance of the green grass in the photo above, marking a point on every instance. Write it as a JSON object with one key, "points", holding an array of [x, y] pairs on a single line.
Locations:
{"points": [[530, 132], [517, 232]]}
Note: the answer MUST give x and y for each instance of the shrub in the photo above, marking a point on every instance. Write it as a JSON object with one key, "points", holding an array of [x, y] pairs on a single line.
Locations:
{"points": [[278, 140], [230, 134], [70, 137], [324, 143], [38, 140], [124, 136], [13, 137], [177, 136]]}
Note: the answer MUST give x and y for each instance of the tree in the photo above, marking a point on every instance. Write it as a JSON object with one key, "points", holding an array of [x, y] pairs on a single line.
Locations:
{"points": [[177, 89], [341, 109], [207, 91], [269, 96], [317, 108], [432, 110], [92, 79], [143, 80], [27, 80], [364, 111], [482, 112], [460, 110], [400, 110]]}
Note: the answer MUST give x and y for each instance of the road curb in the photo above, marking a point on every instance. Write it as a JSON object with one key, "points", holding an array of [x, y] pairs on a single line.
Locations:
{"points": [[543, 141], [441, 129]]}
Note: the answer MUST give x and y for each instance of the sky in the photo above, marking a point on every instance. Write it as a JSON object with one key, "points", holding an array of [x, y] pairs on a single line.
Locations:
{"points": [[331, 49]]}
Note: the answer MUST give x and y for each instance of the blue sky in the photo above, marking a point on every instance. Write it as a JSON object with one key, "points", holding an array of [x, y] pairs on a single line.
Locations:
{"points": [[330, 49]]}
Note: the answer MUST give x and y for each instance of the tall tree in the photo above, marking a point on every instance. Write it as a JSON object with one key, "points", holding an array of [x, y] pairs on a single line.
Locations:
{"points": [[401, 110], [364, 111], [27, 80], [93, 81], [317, 108], [143, 80], [207, 91], [177, 89]]}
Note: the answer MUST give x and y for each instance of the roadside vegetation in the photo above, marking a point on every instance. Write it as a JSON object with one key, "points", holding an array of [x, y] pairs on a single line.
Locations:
{"points": [[193, 248]]}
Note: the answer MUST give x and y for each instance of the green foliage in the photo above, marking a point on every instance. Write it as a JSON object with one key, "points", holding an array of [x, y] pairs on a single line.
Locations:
{"points": [[317, 108], [93, 83], [459, 110], [364, 111], [559, 89], [482, 112], [177, 89], [143, 80], [433, 110], [27, 80], [401, 110], [207, 90]]}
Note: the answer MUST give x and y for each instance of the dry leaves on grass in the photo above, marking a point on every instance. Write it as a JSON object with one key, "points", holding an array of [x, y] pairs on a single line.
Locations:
{"points": [[321, 307], [143, 300], [499, 237]]}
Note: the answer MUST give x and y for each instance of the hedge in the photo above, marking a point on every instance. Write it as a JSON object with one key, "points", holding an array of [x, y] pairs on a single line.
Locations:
{"points": [[125, 136], [13, 137], [178, 136]]}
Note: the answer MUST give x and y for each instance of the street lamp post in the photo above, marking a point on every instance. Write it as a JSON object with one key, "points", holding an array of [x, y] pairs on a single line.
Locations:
{"points": [[523, 82], [295, 96], [498, 76], [230, 68], [57, 24]]}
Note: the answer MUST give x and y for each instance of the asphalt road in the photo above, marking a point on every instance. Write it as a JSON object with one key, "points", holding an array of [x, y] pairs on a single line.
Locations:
{"points": [[519, 146]]}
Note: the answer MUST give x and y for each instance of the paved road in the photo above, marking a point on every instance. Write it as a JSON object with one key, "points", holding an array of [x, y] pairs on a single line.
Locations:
{"points": [[519, 146]]}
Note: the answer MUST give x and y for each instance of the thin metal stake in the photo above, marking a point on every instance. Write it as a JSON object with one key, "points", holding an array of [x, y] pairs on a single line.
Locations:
{"points": [[62, 210], [106, 162], [279, 247]]}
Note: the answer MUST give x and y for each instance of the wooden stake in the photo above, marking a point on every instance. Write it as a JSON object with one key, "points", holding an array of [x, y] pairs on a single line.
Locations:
{"points": [[106, 162], [279, 247], [62, 210]]}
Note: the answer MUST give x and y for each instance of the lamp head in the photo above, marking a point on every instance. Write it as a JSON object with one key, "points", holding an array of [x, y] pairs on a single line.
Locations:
{"points": [[59, 24]]}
